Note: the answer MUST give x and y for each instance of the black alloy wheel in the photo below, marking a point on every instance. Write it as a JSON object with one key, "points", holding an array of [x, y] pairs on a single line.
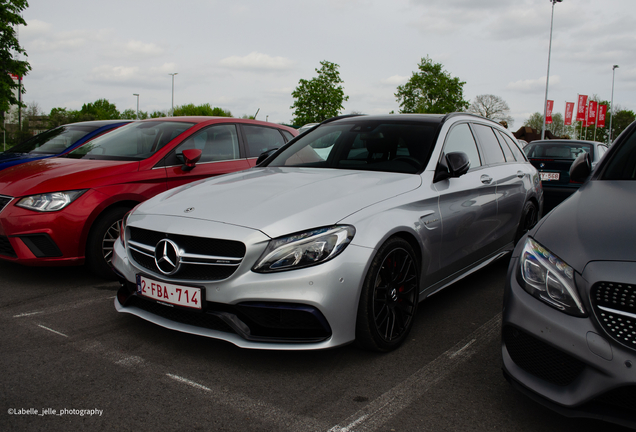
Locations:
{"points": [[389, 299]]}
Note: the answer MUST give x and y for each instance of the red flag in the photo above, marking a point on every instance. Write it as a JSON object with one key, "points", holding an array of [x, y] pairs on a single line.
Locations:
{"points": [[569, 110], [548, 114], [602, 111], [580, 112], [591, 113]]}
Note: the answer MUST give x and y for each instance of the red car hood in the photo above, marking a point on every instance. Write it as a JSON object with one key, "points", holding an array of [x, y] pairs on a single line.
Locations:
{"points": [[60, 174]]}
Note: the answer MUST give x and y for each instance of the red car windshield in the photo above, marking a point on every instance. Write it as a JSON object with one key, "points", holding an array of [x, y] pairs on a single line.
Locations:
{"points": [[136, 141]]}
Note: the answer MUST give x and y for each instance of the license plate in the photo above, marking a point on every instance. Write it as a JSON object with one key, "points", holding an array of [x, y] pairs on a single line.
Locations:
{"points": [[169, 293], [547, 176]]}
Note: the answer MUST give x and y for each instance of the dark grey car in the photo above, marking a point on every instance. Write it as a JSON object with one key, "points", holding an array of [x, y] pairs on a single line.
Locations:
{"points": [[569, 320]]}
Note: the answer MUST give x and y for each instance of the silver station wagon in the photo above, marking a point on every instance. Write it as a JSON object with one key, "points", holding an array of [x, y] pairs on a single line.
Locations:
{"points": [[334, 238]]}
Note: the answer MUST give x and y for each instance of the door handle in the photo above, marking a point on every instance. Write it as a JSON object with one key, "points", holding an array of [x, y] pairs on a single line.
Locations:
{"points": [[486, 179], [520, 174]]}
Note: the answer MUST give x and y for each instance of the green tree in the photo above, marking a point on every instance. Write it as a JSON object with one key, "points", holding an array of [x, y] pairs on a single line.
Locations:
{"points": [[131, 114], [200, 110], [10, 15], [101, 109], [431, 90], [492, 107], [622, 119], [557, 127], [157, 114], [319, 98]]}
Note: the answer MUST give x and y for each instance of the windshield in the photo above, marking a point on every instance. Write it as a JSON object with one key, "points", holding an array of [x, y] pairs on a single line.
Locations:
{"points": [[360, 144], [622, 165], [556, 150], [135, 141], [53, 141]]}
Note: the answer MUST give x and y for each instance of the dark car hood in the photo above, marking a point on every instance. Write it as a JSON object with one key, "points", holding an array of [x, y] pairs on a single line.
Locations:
{"points": [[59, 174], [595, 224]]}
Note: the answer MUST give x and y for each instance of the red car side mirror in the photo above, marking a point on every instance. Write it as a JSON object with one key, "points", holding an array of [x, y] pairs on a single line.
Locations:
{"points": [[191, 157]]}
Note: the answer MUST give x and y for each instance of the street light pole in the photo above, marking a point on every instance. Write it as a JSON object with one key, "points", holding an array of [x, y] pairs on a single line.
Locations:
{"points": [[612, 105], [547, 78], [172, 106], [137, 94]]}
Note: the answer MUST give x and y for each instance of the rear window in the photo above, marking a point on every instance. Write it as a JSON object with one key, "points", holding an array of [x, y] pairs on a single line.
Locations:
{"points": [[557, 150], [362, 145]]}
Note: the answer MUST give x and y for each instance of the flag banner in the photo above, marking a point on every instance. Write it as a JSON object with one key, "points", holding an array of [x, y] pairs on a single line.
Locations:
{"points": [[569, 110], [584, 121], [591, 113], [548, 112], [580, 112], [602, 111]]}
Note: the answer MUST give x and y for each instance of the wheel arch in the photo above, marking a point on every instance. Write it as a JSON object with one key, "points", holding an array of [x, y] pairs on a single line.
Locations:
{"points": [[127, 203]]}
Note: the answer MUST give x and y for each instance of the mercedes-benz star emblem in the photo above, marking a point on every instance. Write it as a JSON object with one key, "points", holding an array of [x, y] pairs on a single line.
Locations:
{"points": [[167, 257]]}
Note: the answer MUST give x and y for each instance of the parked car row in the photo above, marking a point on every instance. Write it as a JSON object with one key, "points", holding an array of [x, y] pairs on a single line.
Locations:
{"points": [[252, 233]]}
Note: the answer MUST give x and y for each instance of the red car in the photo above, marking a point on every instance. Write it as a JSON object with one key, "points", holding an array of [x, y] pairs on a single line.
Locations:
{"points": [[67, 210]]}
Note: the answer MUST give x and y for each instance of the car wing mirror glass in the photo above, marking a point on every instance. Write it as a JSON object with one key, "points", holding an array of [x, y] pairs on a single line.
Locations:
{"points": [[265, 155], [190, 159], [581, 168], [458, 163]]}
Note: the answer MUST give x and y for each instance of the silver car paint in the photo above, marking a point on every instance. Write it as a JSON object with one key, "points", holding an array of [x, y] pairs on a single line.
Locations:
{"points": [[278, 201]]}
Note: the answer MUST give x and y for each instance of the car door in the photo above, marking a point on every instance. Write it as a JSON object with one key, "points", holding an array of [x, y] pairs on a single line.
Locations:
{"points": [[220, 154], [467, 205], [508, 177]]}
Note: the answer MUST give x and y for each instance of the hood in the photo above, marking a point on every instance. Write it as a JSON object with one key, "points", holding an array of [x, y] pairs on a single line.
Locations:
{"points": [[595, 224], [59, 174], [280, 201]]}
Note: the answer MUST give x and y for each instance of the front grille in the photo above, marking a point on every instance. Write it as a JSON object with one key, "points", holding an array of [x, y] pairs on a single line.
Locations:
{"points": [[6, 248], [540, 359], [202, 259], [614, 305], [4, 200], [199, 319]]}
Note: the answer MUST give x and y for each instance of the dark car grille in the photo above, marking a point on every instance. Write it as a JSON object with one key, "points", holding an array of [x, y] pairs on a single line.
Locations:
{"points": [[6, 248], [209, 252], [540, 359], [615, 309], [4, 200]]}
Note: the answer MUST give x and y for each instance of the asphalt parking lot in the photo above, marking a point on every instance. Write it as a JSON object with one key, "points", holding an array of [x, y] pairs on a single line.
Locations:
{"points": [[66, 349]]}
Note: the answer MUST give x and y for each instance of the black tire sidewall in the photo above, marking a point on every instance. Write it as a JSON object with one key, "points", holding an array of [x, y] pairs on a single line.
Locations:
{"points": [[94, 255]]}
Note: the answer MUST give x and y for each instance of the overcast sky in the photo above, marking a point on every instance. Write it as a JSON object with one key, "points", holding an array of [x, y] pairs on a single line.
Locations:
{"points": [[243, 55]]}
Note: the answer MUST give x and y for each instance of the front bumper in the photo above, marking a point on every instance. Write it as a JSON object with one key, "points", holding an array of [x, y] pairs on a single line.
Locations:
{"points": [[568, 364], [304, 309]]}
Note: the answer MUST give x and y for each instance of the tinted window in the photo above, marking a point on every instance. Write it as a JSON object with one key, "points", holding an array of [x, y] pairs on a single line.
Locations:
{"points": [[362, 145], [504, 146], [287, 135], [557, 150], [489, 143], [622, 165], [53, 141], [217, 143], [260, 139], [519, 156], [135, 141], [460, 139]]}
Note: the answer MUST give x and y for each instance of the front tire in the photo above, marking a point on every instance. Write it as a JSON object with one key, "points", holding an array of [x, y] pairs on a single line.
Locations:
{"points": [[389, 298], [101, 240]]}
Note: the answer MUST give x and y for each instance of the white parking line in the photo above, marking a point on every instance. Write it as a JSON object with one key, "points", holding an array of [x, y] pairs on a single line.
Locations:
{"points": [[63, 308], [51, 330], [188, 382], [382, 409]]}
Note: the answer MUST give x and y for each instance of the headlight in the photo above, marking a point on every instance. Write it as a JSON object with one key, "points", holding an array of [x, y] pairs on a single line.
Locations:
{"points": [[50, 202], [548, 278], [124, 224], [304, 249]]}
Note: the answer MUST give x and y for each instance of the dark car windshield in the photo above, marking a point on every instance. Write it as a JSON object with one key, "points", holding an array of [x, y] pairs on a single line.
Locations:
{"points": [[53, 141], [393, 146], [135, 141], [622, 165], [556, 150]]}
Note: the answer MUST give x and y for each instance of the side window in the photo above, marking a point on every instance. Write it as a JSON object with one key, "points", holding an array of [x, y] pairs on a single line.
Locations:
{"points": [[260, 139], [490, 145], [505, 147], [514, 147], [460, 139], [217, 143], [288, 136]]}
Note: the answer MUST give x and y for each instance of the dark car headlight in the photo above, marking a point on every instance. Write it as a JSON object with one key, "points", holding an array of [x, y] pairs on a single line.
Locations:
{"points": [[548, 278], [49, 202], [304, 249]]}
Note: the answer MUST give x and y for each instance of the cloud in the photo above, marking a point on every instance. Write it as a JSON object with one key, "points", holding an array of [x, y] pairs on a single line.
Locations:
{"points": [[532, 85], [395, 80], [257, 61], [141, 49]]}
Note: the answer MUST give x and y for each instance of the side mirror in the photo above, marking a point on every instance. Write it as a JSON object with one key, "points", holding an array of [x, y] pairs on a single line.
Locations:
{"points": [[458, 163], [581, 168], [265, 155], [190, 157]]}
